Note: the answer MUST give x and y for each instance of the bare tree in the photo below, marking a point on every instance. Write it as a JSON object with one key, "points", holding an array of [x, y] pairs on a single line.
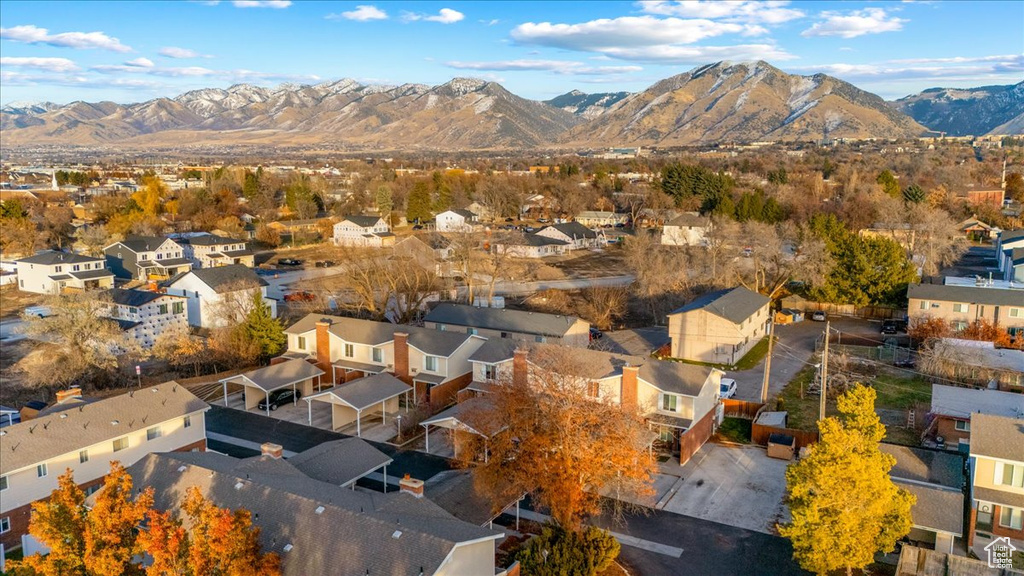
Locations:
{"points": [[660, 271], [383, 287], [93, 238], [937, 241]]}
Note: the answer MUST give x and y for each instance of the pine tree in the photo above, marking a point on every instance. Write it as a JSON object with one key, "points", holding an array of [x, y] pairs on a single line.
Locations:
{"points": [[914, 194], [844, 505], [418, 207], [385, 202], [261, 328], [889, 184]]}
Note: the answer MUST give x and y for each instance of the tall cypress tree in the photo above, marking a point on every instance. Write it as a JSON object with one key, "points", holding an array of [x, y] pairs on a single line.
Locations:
{"points": [[261, 328], [418, 207]]}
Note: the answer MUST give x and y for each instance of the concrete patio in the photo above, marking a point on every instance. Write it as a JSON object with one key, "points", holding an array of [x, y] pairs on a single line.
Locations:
{"points": [[297, 413]]}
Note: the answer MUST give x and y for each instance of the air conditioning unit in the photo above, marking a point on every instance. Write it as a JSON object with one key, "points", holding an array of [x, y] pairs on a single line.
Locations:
{"points": [[987, 508]]}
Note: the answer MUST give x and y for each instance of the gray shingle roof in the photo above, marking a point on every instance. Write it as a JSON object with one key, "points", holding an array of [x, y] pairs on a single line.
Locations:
{"points": [[362, 220], [207, 240], [1007, 235], [675, 377], [270, 378], [457, 493], [968, 294], [925, 465], [331, 530], [339, 462], [46, 437], [574, 230], [91, 274], [370, 332], [937, 508], [997, 437], [366, 392], [223, 278], [143, 243], [688, 219], [734, 304], [467, 214], [51, 257], [533, 239], [133, 297], [495, 350], [963, 402], [502, 319]]}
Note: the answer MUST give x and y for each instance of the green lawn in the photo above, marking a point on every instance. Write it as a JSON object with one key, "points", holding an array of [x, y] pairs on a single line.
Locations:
{"points": [[749, 360], [736, 430], [901, 393], [803, 412]]}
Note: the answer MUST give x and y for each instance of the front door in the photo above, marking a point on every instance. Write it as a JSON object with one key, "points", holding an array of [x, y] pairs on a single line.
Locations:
{"points": [[984, 522]]}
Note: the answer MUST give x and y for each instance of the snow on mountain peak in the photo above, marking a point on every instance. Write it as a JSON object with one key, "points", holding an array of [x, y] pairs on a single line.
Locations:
{"points": [[462, 86]]}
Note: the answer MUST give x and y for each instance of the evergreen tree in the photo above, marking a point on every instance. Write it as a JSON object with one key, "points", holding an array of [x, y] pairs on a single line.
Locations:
{"points": [[418, 204], [251, 186], [750, 206], [771, 212], [262, 329], [385, 202], [442, 193], [914, 194], [889, 184], [844, 504]]}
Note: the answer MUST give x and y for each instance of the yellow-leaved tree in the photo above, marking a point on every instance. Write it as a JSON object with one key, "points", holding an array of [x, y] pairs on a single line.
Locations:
{"points": [[845, 506]]}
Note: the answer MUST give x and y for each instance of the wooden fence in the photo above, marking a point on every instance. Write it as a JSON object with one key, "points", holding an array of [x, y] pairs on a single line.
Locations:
{"points": [[869, 312], [760, 433], [741, 408], [695, 437]]}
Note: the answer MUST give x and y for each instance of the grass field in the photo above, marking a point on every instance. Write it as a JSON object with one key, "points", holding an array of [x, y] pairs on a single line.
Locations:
{"points": [[749, 360], [735, 430]]}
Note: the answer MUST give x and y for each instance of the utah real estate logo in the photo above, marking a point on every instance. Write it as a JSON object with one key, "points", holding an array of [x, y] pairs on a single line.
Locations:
{"points": [[1000, 553]]}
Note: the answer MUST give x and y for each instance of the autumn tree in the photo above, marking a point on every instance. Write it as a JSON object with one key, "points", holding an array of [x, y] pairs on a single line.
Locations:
{"points": [[660, 272], [267, 235], [217, 542], [180, 349], [561, 444], [1015, 186], [92, 239], [602, 305], [150, 196], [845, 507], [95, 540], [924, 329]]}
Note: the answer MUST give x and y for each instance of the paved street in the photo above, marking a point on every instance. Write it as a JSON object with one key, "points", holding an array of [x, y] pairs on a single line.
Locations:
{"points": [[10, 329]]}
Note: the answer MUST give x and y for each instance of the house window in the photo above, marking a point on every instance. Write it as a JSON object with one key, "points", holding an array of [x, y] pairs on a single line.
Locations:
{"points": [[669, 402], [430, 363], [120, 444], [957, 307], [350, 350], [378, 355], [57, 268], [593, 389], [76, 267], [1016, 312], [302, 342], [83, 456], [41, 470], [665, 434], [962, 425], [153, 433], [1010, 474], [162, 308], [958, 326], [540, 339], [5, 524], [1010, 517], [178, 307], [133, 310], [3, 483], [504, 334], [92, 490], [490, 372], [474, 331], [187, 422], [442, 327]]}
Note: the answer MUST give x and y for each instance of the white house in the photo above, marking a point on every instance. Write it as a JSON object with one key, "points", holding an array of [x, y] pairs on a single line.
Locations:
{"points": [[687, 229], [209, 250], [371, 231], [145, 315], [51, 272], [454, 221], [574, 234], [594, 219], [85, 437], [146, 257], [530, 246], [218, 296]]}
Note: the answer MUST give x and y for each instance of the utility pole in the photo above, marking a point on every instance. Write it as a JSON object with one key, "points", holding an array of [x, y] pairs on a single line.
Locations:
{"points": [[767, 363], [824, 375]]}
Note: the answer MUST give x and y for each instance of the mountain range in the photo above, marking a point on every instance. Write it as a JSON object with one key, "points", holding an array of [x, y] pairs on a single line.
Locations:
{"points": [[966, 111], [719, 102]]}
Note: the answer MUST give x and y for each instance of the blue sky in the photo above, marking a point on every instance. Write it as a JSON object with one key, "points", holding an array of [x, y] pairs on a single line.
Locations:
{"points": [[134, 51]]}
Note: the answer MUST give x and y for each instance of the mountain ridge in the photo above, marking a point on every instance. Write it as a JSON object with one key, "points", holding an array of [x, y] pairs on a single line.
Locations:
{"points": [[996, 109]]}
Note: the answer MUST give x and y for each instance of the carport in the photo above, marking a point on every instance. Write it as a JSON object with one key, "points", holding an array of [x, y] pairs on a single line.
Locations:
{"points": [[424, 383], [371, 394], [471, 416], [297, 374], [347, 367]]}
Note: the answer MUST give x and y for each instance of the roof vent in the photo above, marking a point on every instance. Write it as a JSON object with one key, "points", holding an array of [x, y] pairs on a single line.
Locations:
{"points": [[239, 485], [320, 509], [396, 534], [288, 547], [115, 422]]}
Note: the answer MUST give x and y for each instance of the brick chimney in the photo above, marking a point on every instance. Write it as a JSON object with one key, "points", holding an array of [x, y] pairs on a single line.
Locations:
{"points": [[402, 357], [411, 485], [520, 370], [69, 394], [629, 385], [275, 451], [323, 347]]}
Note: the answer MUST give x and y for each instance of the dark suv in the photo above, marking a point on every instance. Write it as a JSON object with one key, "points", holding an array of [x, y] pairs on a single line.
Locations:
{"points": [[893, 326], [280, 398]]}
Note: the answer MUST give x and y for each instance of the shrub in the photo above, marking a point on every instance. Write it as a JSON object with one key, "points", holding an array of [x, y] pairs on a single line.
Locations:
{"points": [[568, 553]]}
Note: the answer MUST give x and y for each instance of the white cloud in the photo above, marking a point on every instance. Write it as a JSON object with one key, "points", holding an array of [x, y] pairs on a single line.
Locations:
{"points": [[491, 22], [262, 3], [362, 13], [140, 63], [625, 32], [855, 23], [700, 54], [444, 16], [975, 71], [48, 64], [236, 75], [556, 66], [180, 53], [79, 40], [765, 12]]}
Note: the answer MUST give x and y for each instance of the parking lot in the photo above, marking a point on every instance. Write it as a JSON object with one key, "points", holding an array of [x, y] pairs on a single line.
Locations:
{"points": [[734, 485]]}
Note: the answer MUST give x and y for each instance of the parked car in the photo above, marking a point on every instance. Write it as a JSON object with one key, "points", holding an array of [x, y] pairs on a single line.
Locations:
{"points": [[727, 388], [819, 316], [289, 262], [620, 225], [280, 398], [324, 263], [418, 227], [596, 334], [905, 363], [299, 296], [38, 311]]}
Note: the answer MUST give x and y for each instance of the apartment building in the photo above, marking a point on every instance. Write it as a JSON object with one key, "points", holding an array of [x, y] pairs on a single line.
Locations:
{"points": [[146, 257], [85, 435], [505, 323], [210, 250], [218, 296], [436, 364], [53, 272], [365, 231], [997, 480], [962, 301], [720, 326], [145, 315], [687, 229]]}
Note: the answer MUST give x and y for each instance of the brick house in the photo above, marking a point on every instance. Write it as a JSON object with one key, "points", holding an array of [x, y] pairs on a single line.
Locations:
{"points": [[953, 407], [997, 480], [962, 301], [86, 436]]}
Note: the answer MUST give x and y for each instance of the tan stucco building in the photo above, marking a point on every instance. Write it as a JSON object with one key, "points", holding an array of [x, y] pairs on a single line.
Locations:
{"points": [[720, 326]]}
